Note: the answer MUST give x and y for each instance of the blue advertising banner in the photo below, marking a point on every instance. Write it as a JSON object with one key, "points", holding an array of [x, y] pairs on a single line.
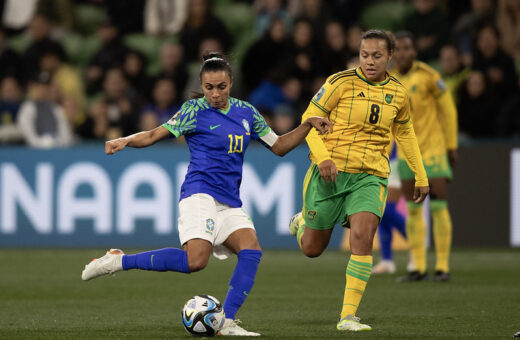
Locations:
{"points": [[81, 197]]}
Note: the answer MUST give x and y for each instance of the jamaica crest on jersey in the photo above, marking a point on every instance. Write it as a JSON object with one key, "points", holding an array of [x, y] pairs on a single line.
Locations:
{"points": [[245, 123]]}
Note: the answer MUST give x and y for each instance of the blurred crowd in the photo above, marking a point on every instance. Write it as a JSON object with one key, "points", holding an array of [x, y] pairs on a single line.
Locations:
{"points": [[73, 71]]}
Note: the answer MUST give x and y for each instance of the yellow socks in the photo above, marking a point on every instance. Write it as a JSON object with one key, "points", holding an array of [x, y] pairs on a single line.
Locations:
{"points": [[416, 234], [358, 273], [442, 233]]}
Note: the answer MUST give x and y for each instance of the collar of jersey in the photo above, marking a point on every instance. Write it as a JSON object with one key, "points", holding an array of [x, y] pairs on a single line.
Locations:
{"points": [[359, 73], [223, 112]]}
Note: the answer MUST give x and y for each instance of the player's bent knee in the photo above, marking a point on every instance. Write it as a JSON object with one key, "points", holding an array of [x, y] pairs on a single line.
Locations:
{"points": [[198, 263], [315, 241], [312, 251]]}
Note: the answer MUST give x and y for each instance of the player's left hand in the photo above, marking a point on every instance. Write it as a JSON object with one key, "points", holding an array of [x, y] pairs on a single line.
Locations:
{"points": [[321, 124], [453, 157], [420, 193]]}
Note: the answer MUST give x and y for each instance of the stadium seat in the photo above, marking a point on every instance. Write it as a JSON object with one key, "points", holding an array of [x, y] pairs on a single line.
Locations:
{"points": [[386, 15], [88, 17], [79, 48], [239, 19], [149, 45]]}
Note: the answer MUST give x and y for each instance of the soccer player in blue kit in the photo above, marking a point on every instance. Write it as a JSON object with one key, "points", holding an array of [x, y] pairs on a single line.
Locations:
{"points": [[218, 130]]}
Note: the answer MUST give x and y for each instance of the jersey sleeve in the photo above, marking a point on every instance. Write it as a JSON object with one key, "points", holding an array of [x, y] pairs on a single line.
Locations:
{"points": [[262, 131], [407, 141], [437, 86], [323, 102], [449, 122], [184, 121], [403, 116], [447, 107]]}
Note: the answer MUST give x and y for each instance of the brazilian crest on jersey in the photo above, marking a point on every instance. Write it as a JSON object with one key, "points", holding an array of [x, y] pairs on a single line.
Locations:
{"points": [[246, 125]]}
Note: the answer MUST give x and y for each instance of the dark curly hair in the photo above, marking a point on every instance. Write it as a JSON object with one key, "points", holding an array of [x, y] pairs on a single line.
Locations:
{"points": [[381, 35], [214, 61]]}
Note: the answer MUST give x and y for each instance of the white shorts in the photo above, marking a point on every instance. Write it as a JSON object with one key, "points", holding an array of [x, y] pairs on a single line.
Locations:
{"points": [[202, 216], [393, 179]]}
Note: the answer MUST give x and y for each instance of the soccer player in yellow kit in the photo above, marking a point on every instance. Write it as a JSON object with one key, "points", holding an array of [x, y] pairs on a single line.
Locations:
{"points": [[435, 123], [349, 171]]}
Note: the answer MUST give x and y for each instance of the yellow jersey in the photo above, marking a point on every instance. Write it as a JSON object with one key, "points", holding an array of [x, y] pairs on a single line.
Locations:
{"points": [[364, 114], [433, 111]]}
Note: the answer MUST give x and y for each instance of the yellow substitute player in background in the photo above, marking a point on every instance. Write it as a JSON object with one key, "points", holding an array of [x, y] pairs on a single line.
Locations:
{"points": [[348, 175], [435, 123]]}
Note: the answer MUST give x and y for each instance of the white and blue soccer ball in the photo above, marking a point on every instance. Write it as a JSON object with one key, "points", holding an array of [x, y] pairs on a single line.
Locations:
{"points": [[203, 315]]}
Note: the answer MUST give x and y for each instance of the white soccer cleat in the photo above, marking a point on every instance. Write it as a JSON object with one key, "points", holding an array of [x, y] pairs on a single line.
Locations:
{"points": [[108, 264], [384, 267], [294, 224], [232, 328], [351, 323]]}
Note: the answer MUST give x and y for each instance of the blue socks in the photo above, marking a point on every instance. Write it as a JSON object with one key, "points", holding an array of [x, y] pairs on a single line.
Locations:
{"points": [[172, 259], [160, 260], [385, 238], [242, 281], [391, 218]]}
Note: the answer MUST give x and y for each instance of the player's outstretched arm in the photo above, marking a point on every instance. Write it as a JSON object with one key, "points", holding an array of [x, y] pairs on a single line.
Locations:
{"points": [[449, 122], [407, 142], [405, 137], [137, 140], [290, 140]]}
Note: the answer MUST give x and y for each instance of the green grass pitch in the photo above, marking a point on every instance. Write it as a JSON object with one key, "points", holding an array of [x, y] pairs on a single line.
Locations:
{"points": [[43, 297]]}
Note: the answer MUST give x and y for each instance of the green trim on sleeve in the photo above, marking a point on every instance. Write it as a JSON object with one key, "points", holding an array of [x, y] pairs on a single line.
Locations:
{"points": [[172, 131], [260, 127], [320, 107], [264, 132]]}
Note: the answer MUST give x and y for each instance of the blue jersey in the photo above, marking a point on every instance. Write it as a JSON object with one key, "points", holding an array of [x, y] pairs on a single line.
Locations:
{"points": [[217, 141]]}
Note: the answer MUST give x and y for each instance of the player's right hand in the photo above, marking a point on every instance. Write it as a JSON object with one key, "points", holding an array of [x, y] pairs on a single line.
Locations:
{"points": [[328, 170], [322, 124], [115, 145], [420, 193]]}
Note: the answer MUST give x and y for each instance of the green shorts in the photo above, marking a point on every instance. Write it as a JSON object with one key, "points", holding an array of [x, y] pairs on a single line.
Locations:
{"points": [[325, 204], [436, 166]]}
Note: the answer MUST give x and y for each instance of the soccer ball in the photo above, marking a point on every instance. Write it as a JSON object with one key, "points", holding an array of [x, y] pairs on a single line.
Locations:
{"points": [[202, 315]]}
